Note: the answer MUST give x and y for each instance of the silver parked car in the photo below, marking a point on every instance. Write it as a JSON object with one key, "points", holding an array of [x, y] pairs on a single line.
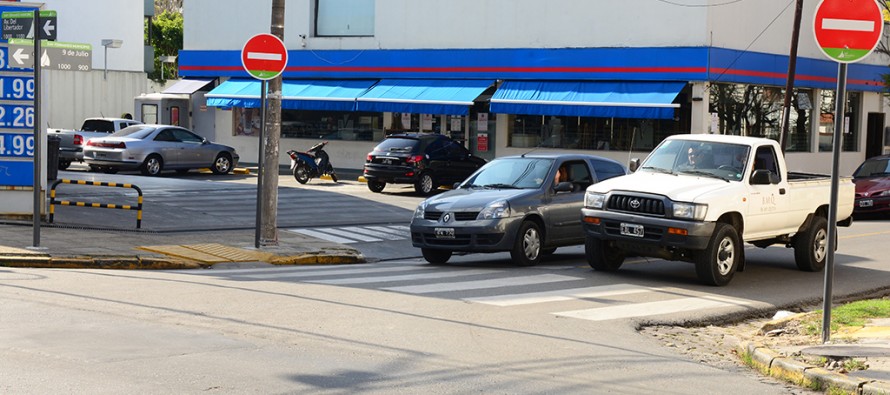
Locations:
{"points": [[528, 205], [154, 148]]}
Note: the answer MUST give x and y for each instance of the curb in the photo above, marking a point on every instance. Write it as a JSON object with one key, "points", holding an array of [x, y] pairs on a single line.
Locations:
{"points": [[135, 262], [773, 364]]}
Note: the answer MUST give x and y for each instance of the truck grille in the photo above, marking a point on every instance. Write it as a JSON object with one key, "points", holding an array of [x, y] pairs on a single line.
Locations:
{"points": [[636, 204]]}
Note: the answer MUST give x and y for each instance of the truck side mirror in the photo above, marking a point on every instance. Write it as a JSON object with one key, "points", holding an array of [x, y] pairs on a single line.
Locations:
{"points": [[763, 177], [634, 164]]}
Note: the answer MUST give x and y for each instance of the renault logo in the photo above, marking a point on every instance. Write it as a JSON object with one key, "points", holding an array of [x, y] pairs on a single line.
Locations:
{"points": [[635, 203], [446, 217]]}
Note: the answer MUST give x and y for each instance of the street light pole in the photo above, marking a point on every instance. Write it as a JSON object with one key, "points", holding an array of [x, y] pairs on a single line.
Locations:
{"points": [[113, 43]]}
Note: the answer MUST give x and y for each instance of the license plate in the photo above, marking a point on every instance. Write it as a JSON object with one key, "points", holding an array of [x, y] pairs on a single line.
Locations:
{"points": [[632, 230], [387, 161], [100, 155], [866, 203], [444, 233]]}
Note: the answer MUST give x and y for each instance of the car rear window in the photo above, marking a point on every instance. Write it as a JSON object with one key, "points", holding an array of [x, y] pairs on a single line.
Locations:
{"points": [[135, 131], [398, 144]]}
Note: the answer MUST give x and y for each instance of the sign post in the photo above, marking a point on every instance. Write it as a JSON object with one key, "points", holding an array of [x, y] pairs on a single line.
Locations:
{"points": [[846, 31], [264, 57]]}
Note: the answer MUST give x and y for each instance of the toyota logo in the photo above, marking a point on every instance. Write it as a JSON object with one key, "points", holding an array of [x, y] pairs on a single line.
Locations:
{"points": [[446, 217], [635, 204]]}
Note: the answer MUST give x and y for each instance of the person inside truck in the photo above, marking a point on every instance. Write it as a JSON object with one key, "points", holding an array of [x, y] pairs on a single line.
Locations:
{"points": [[698, 157]]}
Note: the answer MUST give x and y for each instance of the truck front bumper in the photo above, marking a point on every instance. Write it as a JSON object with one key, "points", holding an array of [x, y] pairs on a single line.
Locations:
{"points": [[658, 234]]}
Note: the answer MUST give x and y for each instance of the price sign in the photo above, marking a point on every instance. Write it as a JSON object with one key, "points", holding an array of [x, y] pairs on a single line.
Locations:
{"points": [[17, 145], [16, 116], [16, 88]]}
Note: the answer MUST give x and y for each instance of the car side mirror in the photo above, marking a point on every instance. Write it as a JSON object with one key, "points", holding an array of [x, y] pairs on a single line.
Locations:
{"points": [[564, 186], [456, 185], [205, 141], [634, 164], [763, 177]]}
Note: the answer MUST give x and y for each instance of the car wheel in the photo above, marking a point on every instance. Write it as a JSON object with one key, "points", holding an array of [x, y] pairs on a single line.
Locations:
{"points": [[602, 255], [718, 262], [436, 257], [152, 165], [301, 173], [527, 247], [811, 246], [376, 186], [222, 164], [63, 164], [424, 184]]}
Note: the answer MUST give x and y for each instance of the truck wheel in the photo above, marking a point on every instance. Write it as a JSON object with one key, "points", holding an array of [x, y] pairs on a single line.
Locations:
{"points": [[527, 247], [301, 173], [717, 264], [436, 257], [424, 184], [152, 165], [811, 246], [602, 256], [376, 186]]}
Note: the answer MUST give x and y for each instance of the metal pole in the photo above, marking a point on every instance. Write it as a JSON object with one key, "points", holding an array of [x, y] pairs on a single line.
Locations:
{"points": [[840, 99], [259, 180], [789, 83], [37, 135], [105, 69]]}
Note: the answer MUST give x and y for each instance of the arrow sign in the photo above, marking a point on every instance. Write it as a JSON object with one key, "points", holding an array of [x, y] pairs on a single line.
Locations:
{"points": [[848, 30], [264, 56], [20, 24], [55, 55]]}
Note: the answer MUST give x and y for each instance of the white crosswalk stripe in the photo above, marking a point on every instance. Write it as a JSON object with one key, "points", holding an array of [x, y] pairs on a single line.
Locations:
{"points": [[402, 277], [356, 234], [482, 284], [560, 295], [653, 308]]}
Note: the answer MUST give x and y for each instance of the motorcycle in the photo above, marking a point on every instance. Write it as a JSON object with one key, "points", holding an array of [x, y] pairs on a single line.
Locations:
{"points": [[312, 163]]}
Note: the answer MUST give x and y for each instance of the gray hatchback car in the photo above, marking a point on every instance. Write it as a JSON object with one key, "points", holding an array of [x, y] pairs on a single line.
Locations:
{"points": [[528, 205]]}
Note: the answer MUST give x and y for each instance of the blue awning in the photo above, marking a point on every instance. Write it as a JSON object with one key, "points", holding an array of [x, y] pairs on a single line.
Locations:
{"points": [[632, 99], [451, 97], [323, 95]]}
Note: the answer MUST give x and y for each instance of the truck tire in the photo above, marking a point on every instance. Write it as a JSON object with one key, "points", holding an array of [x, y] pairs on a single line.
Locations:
{"points": [[436, 257], [716, 264], [811, 246], [527, 247], [602, 256]]}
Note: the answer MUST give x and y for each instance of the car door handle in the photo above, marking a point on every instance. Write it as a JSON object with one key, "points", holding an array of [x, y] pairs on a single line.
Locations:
{"points": [[781, 191]]}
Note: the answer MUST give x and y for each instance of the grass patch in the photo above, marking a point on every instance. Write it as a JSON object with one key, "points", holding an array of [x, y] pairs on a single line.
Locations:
{"points": [[848, 315]]}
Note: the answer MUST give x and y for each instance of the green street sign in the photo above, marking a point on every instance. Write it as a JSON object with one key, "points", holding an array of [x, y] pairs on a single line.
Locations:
{"points": [[55, 55], [20, 24]]}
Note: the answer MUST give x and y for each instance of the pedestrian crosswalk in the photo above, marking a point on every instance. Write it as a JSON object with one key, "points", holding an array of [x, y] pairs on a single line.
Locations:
{"points": [[503, 288], [356, 234]]}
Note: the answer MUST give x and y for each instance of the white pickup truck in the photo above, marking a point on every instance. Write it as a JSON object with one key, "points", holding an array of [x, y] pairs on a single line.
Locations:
{"points": [[72, 141], [697, 198]]}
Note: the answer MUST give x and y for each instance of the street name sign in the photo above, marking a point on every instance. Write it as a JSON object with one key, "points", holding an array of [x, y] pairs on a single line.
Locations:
{"points": [[20, 24], [56, 55], [264, 56], [848, 30]]}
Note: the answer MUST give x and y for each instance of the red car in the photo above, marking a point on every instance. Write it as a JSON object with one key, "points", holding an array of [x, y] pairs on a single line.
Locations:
{"points": [[872, 180]]}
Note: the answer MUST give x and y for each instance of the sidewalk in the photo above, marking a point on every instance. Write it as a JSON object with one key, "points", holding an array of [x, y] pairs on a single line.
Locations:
{"points": [[68, 247]]}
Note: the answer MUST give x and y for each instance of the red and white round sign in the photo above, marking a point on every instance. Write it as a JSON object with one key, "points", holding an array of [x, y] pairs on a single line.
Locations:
{"points": [[848, 30], [264, 56]]}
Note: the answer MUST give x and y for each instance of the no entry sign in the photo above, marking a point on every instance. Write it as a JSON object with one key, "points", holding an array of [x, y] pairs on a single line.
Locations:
{"points": [[848, 30], [264, 56]]}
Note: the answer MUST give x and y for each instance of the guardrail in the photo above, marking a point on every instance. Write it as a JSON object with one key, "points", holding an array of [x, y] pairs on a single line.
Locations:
{"points": [[53, 202]]}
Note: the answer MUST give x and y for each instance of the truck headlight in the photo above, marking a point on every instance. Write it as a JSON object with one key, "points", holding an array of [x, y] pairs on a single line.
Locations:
{"points": [[594, 200], [420, 210], [690, 211], [496, 209]]}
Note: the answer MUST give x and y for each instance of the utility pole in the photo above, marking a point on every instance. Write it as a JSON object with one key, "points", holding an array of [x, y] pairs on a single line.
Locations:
{"points": [[269, 231], [792, 66]]}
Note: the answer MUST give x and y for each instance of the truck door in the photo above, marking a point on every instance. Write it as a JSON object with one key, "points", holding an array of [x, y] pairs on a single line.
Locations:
{"points": [[767, 204]]}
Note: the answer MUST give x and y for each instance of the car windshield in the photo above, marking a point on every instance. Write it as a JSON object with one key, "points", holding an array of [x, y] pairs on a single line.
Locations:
{"points": [[698, 158], [520, 173], [398, 144], [873, 168], [135, 131]]}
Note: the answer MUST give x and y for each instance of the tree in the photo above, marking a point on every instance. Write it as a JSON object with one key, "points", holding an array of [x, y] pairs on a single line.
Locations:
{"points": [[165, 34], [162, 6]]}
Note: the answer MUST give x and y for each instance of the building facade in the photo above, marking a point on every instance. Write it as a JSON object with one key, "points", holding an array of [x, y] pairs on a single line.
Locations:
{"points": [[509, 76]]}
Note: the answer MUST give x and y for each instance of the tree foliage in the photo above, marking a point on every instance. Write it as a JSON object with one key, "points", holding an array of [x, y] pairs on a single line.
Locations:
{"points": [[166, 37]]}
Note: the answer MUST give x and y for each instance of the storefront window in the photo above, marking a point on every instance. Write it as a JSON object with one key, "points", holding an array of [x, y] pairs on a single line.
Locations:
{"points": [[755, 110], [851, 122], [328, 125], [605, 134], [344, 18]]}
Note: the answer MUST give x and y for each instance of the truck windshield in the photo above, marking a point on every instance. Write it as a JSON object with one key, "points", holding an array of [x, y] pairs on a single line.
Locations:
{"points": [[699, 158], [520, 173]]}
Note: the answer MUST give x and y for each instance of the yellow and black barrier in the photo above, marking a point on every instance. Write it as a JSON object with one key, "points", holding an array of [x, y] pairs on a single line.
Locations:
{"points": [[53, 202]]}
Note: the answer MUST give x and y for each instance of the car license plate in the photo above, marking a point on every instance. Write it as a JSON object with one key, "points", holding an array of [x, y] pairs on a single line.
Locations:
{"points": [[444, 233], [387, 161], [866, 203], [632, 230], [100, 155]]}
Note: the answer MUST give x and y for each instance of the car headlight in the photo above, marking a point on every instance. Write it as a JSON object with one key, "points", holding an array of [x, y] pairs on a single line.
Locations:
{"points": [[496, 209], [420, 210], [883, 193], [594, 200], [690, 211]]}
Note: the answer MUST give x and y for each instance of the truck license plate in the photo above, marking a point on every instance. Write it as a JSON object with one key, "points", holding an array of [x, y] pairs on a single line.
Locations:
{"points": [[444, 233], [632, 230], [866, 203]]}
